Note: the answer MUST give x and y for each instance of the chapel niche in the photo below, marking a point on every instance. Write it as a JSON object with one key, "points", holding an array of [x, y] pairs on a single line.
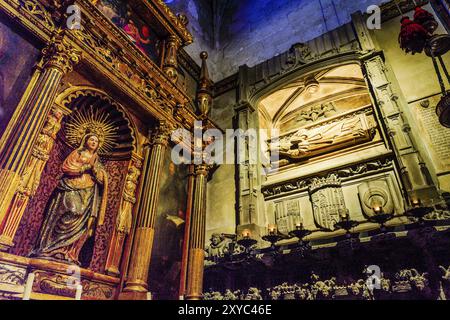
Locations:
{"points": [[80, 107]]}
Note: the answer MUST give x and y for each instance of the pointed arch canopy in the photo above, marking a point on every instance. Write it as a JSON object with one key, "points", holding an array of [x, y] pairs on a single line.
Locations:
{"points": [[335, 83]]}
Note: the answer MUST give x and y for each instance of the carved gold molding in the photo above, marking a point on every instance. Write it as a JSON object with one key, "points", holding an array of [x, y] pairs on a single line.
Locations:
{"points": [[170, 20], [110, 53], [60, 54]]}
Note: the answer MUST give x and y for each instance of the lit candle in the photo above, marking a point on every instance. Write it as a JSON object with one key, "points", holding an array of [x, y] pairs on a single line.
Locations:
{"points": [[246, 233], [377, 209], [78, 292], [416, 203], [272, 229], [299, 223], [149, 296], [28, 287], [345, 215]]}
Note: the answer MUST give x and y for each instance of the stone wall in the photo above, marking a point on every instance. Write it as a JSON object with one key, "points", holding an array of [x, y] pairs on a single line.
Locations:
{"points": [[418, 83], [199, 14], [259, 30], [221, 206], [237, 32]]}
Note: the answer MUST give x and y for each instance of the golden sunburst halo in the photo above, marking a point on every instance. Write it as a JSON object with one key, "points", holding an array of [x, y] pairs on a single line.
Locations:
{"points": [[90, 121]]}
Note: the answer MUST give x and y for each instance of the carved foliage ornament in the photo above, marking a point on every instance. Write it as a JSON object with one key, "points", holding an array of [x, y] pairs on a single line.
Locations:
{"points": [[180, 23], [10, 274], [60, 54], [114, 61], [34, 8], [161, 133], [63, 285]]}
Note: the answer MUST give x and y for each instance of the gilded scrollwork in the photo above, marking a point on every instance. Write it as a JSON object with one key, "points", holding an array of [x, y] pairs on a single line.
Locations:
{"points": [[38, 11], [99, 291], [63, 285], [10, 274], [115, 61], [179, 23]]}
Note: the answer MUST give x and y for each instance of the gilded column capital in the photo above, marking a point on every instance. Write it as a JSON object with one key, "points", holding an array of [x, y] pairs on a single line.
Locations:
{"points": [[202, 169], [161, 134], [60, 54]]}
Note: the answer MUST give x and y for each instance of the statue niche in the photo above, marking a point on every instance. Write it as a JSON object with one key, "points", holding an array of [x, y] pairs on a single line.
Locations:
{"points": [[78, 204], [316, 140]]}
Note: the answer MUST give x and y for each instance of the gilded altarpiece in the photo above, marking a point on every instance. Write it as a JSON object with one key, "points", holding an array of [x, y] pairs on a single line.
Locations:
{"points": [[124, 63]]}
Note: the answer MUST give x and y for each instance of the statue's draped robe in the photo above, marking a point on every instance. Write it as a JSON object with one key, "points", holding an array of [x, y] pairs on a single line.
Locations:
{"points": [[77, 203]]}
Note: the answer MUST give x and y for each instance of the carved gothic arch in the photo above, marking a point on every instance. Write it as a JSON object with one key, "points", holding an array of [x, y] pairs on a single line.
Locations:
{"points": [[295, 77], [301, 71]]}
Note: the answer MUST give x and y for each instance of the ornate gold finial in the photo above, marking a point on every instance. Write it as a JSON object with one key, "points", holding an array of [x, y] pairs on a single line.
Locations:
{"points": [[91, 121], [171, 60], [204, 95]]}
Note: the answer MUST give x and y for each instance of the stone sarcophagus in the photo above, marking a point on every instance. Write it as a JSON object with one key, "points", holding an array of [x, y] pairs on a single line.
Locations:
{"points": [[324, 137]]}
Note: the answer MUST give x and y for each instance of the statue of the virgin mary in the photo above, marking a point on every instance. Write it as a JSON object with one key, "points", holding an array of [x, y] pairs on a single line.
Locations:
{"points": [[78, 204]]}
